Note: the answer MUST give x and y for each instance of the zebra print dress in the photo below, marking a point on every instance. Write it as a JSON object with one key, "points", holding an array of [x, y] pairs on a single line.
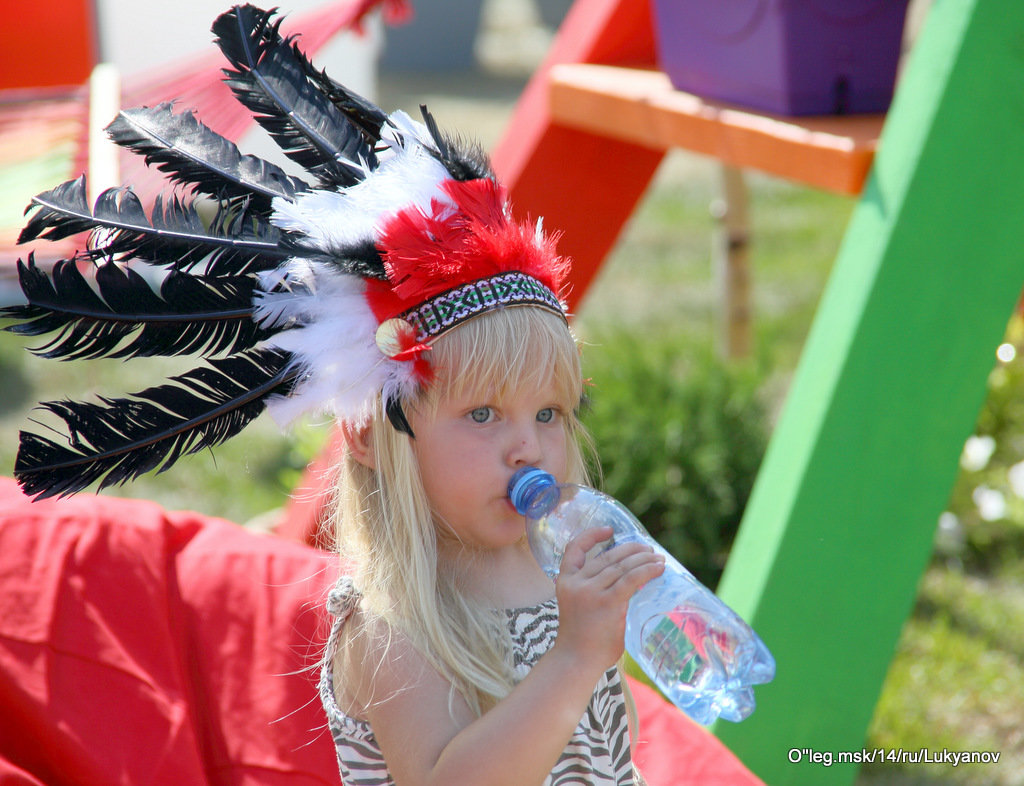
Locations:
{"points": [[597, 755]]}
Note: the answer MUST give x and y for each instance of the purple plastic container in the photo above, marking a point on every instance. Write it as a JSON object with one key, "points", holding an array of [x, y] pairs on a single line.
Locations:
{"points": [[791, 57]]}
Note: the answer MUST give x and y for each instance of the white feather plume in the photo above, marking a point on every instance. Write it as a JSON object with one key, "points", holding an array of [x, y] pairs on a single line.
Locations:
{"points": [[333, 343], [407, 175]]}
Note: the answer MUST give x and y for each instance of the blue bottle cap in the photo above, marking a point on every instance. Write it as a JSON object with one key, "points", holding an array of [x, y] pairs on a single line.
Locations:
{"points": [[524, 482]]}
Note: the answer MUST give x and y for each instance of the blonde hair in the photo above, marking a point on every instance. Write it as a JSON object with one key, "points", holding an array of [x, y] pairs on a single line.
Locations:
{"points": [[385, 525]]}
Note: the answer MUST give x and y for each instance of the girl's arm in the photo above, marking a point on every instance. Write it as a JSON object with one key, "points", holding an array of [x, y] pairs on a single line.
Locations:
{"points": [[428, 734]]}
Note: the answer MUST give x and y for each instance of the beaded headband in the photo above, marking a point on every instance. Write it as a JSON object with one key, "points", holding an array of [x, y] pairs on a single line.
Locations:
{"points": [[446, 311]]}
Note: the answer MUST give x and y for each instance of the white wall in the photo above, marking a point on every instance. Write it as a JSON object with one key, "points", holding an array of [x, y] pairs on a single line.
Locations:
{"points": [[139, 35]]}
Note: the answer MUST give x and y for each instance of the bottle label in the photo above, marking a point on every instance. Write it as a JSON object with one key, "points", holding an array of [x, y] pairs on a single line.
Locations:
{"points": [[669, 649]]}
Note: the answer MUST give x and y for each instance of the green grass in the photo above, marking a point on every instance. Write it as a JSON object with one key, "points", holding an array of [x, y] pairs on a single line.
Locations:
{"points": [[660, 277], [957, 679]]}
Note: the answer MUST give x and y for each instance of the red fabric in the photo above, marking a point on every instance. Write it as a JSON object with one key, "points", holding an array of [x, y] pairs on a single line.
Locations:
{"points": [[673, 750], [308, 512], [139, 646], [144, 647]]}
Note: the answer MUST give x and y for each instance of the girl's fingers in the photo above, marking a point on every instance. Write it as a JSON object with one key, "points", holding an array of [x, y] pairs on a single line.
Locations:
{"points": [[575, 555], [631, 564], [631, 569], [598, 563], [594, 591]]}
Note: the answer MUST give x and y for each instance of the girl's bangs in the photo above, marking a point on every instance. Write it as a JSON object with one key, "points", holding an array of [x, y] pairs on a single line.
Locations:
{"points": [[511, 347]]}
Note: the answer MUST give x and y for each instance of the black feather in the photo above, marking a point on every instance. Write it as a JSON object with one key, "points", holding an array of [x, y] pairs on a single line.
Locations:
{"points": [[463, 160], [190, 315], [361, 258], [271, 81], [364, 259], [396, 416], [176, 236], [362, 113], [120, 439], [192, 153]]}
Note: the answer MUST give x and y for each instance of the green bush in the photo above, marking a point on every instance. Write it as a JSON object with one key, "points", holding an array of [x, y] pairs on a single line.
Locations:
{"points": [[983, 529], [680, 435]]}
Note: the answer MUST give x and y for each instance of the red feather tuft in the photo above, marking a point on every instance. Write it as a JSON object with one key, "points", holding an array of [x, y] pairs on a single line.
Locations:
{"points": [[471, 238]]}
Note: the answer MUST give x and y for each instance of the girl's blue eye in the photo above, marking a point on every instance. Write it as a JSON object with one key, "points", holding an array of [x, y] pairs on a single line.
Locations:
{"points": [[481, 414], [546, 415]]}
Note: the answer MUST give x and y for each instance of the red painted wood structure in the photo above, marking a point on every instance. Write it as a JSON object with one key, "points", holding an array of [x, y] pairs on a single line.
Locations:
{"points": [[583, 207]]}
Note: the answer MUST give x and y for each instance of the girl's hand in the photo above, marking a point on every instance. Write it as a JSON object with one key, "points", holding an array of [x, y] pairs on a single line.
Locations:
{"points": [[593, 594]]}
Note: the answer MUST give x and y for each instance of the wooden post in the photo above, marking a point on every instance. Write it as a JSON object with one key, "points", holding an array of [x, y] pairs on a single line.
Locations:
{"points": [[841, 522], [732, 264], [104, 104]]}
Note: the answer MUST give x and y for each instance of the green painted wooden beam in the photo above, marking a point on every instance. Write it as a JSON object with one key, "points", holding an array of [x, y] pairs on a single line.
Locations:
{"points": [[841, 521]]}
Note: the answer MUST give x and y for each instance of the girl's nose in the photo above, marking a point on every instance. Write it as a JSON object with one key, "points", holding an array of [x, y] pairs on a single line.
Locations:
{"points": [[524, 446]]}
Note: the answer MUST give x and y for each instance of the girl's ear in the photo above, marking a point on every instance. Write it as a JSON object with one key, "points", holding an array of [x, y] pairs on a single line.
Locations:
{"points": [[359, 442]]}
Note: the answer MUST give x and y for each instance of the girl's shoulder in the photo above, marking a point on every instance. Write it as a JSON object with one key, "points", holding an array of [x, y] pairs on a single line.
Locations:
{"points": [[384, 688], [371, 660]]}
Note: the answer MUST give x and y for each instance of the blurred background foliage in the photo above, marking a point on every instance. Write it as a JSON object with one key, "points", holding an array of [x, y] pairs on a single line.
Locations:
{"points": [[680, 435]]}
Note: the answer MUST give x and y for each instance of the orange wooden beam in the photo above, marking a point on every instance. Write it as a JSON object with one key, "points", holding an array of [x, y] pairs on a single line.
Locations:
{"points": [[641, 106]]}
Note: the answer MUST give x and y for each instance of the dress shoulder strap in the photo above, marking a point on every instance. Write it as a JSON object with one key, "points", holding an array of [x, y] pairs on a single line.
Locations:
{"points": [[341, 602]]}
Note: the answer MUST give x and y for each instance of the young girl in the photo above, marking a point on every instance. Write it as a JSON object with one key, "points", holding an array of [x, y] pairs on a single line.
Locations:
{"points": [[444, 666], [393, 290]]}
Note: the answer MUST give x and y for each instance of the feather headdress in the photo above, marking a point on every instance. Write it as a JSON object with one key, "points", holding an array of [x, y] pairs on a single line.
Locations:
{"points": [[302, 296]]}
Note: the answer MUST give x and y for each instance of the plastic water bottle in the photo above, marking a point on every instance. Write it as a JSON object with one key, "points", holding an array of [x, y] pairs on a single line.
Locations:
{"points": [[696, 649]]}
